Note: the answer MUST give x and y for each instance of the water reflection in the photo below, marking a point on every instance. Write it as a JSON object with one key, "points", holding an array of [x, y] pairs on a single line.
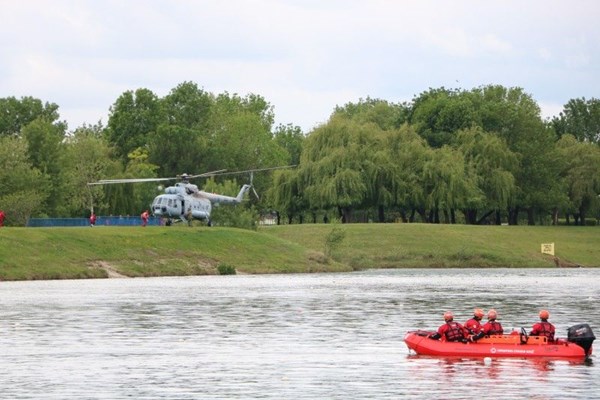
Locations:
{"points": [[334, 336]]}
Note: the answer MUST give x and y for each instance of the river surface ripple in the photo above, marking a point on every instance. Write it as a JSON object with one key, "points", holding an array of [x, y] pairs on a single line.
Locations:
{"points": [[317, 336]]}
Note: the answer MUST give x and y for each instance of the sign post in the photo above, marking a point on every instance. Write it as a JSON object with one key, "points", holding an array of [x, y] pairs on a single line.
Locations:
{"points": [[548, 248]]}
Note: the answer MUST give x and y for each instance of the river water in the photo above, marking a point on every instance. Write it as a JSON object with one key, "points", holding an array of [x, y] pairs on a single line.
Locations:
{"points": [[311, 336]]}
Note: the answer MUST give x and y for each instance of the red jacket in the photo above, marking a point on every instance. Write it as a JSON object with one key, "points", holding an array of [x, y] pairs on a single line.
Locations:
{"points": [[543, 328], [473, 326], [452, 331], [492, 328]]}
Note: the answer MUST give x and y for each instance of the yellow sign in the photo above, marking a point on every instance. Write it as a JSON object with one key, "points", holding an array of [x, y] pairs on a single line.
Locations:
{"points": [[548, 248]]}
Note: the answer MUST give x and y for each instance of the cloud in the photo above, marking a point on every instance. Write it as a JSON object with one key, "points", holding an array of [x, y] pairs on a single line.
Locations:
{"points": [[305, 57]]}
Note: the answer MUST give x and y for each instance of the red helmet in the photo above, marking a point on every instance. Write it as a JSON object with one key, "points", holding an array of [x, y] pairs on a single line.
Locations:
{"points": [[544, 314], [448, 316], [478, 313], [492, 314]]}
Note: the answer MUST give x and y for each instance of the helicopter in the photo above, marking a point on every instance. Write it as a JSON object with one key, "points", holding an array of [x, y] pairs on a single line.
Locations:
{"points": [[184, 202]]}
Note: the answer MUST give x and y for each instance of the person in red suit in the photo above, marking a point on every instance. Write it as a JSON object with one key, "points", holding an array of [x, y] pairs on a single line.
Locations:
{"points": [[145, 217], [543, 328], [450, 331], [473, 326]]}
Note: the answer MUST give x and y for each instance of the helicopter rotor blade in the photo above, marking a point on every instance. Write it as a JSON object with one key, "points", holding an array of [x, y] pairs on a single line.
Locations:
{"points": [[133, 180], [254, 170], [219, 172], [206, 174]]}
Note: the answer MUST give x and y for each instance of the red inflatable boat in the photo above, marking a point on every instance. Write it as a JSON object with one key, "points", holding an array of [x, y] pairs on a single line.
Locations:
{"points": [[578, 345]]}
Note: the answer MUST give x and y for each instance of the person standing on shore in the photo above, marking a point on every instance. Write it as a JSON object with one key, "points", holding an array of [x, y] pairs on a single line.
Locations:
{"points": [[145, 217]]}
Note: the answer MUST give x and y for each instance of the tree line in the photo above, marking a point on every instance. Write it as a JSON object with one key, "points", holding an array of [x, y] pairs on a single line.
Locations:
{"points": [[479, 156]]}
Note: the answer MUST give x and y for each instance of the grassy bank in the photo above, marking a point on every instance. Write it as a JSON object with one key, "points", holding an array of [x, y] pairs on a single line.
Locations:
{"points": [[83, 252], [427, 245]]}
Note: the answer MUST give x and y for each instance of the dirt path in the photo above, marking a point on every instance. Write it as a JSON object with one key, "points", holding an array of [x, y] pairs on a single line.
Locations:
{"points": [[112, 273]]}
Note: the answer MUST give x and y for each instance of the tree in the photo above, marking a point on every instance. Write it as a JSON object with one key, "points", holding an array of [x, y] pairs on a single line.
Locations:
{"points": [[408, 153], [23, 188], [332, 166], [133, 117], [285, 194], [449, 184], [240, 134], [17, 113], [514, 116], [88, 158], [580, 118], [385, 115], [188, 106], [494, 165], [177, 149], [181, 142], [290, 138], [45, 147], [581, 171], [438, 113]]}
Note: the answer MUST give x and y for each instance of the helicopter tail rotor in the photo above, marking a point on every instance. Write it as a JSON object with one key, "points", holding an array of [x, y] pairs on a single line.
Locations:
{"points": [[252, 185]]}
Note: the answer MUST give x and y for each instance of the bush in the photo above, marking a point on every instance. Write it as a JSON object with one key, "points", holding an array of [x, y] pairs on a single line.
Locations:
{"points": [[333, 240], [226, 269], [236, 217]]}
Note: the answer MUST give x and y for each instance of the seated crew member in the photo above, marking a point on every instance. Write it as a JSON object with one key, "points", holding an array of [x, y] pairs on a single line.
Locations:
{"points": [[473, 326], [543, 328], [450, 331], [491, 327]]}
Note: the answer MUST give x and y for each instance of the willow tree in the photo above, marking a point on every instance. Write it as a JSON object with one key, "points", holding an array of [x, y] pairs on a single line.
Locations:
{"points": [[285, 194], [494, 165], [582, 175], [385, 115], [332, 166], [513, 115], [407, 153], [449, 184]]}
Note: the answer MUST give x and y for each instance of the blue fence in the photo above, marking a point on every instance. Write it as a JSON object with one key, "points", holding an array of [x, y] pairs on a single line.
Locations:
{"points": [[100, 221]]}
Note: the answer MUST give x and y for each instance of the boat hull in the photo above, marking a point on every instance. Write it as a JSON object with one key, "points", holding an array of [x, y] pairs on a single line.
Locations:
{"points": [[498, 346]]}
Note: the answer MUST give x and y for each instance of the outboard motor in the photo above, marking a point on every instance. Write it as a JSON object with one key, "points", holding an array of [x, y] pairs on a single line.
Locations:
{"points": [[581, 335]]}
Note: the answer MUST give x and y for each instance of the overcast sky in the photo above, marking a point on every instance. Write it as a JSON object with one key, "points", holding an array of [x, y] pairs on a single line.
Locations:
{"points": [[303, 57]]}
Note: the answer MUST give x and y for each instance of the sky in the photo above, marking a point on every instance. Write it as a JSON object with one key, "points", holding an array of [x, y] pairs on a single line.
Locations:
{"points": [[304, 57]]}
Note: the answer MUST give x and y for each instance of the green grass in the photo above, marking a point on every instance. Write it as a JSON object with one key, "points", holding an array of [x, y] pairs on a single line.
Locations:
{"points": [[84, 252], [427, 245]]}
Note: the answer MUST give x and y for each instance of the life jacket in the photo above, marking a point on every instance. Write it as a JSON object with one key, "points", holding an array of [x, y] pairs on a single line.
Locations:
{"points": [[473, 326], [454, 331], [493, 328], [544, 328]]}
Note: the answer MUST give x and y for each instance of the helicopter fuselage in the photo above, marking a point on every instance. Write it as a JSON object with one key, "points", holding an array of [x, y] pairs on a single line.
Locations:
{"points": [[181, 200], [184, 201]]}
